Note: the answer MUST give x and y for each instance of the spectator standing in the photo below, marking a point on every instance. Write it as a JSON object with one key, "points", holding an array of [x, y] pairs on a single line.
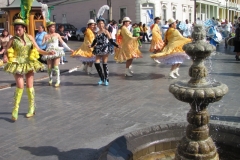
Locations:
{"points": [[136, 33], [39, 39], [141, 29], [187, 33], [237, 43], [130, 27], [109, 24], [64, 37], [227, 30], [145, 34], [4, 39], [112, 29], [119, 23], [164, 29]]}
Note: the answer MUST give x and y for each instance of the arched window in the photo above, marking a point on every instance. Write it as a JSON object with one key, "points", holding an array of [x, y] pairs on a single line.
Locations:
{"points": [[174, 13], [164, 13]]}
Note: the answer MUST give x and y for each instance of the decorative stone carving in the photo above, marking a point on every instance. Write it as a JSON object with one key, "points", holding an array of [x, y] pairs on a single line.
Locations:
{"points": [[198, 92]]}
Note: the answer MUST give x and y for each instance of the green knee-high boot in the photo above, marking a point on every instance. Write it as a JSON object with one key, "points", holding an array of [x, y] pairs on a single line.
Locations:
{"points": [[31, 101], [50, 76], [17, 100], [57, 71]]}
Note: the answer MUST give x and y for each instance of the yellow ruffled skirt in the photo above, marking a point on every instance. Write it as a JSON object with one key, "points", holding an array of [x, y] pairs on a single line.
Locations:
{"points": [[84, 54], [172, 54], [128, 51], [23, 68], [157, 44]]}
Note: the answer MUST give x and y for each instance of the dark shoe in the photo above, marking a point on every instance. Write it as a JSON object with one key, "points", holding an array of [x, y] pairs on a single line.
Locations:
{"points": [[65, 61]]}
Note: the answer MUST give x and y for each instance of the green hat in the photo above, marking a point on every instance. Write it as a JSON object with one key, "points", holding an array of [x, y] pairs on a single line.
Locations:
{"points": [[50, 23], [19, 21]]}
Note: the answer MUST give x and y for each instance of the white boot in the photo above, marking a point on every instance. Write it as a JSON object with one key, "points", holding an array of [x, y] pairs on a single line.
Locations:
{"points": [[81, 68], [128, 73], [176, 72], [130, 69], [89, 70], [85, 68], [171, 75], [156, 61]]}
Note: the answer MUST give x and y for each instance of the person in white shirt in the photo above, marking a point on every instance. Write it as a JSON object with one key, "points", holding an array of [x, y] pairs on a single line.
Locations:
{"points": [[109, 24], [130, 27], [164, 29], [227, 30], [187, 33]]}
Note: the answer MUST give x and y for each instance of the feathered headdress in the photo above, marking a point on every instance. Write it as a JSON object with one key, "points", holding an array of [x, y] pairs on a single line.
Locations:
{"points": [[26, 6], [46, 14], [101, 12]]}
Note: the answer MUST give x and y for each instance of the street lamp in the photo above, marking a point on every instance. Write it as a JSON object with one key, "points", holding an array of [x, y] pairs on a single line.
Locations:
{"points": [[226, 10], [109, 3]]}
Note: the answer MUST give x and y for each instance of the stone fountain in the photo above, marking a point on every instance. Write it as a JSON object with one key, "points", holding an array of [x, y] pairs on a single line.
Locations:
{"points": [[173, 141], [198, 92]]}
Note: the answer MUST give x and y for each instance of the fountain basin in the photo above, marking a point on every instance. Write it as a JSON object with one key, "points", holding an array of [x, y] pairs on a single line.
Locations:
{"points": [[160, 143], [205, 93], [200, 49]]}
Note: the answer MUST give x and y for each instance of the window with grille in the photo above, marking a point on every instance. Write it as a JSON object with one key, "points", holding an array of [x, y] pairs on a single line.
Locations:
{"points": [[123, 12]]}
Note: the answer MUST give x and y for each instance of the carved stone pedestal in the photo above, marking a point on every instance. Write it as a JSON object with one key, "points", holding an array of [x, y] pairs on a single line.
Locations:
{"points": [[198, 92]]}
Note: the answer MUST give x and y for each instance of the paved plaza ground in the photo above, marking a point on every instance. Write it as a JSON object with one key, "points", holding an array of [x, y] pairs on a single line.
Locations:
{"points": [[77, 120]]}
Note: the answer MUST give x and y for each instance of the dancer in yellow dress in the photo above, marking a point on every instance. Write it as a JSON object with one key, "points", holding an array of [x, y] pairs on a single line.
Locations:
{"points": [[157, 43], [21, 57], [129, 47], [173, 53], [84, 53]]}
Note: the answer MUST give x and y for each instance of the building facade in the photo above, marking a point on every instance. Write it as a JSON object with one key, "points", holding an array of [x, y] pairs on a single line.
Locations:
{"points": [[220, 9], [143, 11], [3, 16]]}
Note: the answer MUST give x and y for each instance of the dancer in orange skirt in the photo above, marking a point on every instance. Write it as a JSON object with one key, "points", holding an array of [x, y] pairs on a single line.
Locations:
{"points": [[172, 53], [157, 43], [84, 53], [129, 47]]}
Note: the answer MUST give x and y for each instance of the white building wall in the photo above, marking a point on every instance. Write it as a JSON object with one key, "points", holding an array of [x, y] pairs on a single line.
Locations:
{"points": [[170, 6], [79, 13]]}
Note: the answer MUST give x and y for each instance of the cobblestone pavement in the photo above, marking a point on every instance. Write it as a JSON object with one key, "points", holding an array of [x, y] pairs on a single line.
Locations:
{"points": [[76, 121]]}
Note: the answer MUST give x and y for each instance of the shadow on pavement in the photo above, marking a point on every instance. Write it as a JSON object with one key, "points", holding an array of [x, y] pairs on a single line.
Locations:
{"points": [[225, 118], [143, 76], [9, 119], [136, 76], [75, 154]]}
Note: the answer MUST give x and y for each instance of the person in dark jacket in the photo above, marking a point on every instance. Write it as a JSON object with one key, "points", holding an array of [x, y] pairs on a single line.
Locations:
{"points": [[237, 42], [65, 39]]}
